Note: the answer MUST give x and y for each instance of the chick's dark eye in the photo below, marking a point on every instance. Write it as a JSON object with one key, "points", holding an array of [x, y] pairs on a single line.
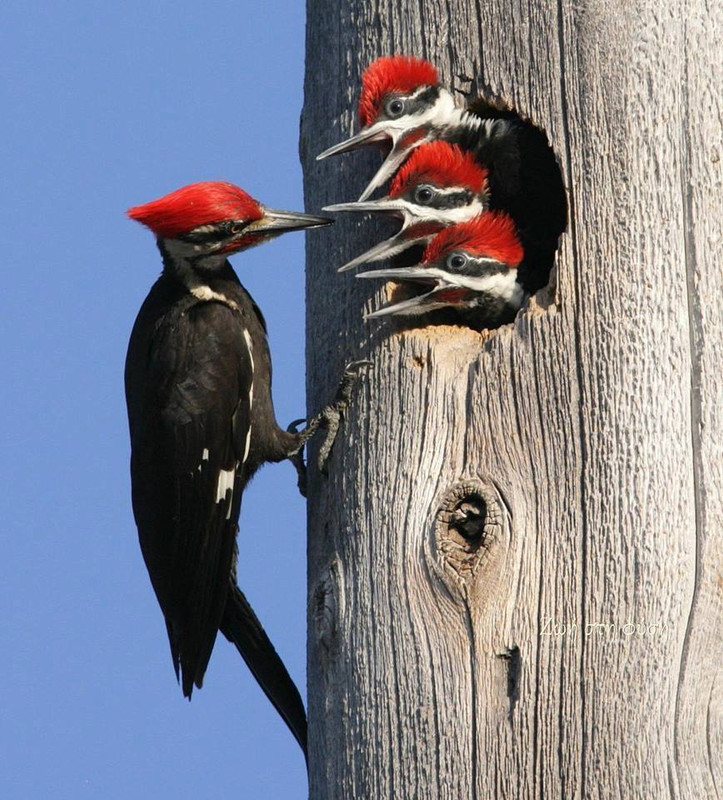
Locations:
{"points": [[235, 228], [395, 107], [456, 261], [423, 195]]}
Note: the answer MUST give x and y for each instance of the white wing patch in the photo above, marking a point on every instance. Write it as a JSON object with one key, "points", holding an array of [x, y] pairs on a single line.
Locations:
{"points": [[204, 457], [249, 344], [225, 487], [247, 444], [225, 483]]}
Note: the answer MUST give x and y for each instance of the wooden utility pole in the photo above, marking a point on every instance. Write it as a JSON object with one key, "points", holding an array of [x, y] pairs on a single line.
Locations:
{"points": [[574, 650]]}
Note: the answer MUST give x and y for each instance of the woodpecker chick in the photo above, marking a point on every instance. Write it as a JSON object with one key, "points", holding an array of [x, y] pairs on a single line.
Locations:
{"points": [[202, 421], [438, 185], [402, 106], [469, 269]]}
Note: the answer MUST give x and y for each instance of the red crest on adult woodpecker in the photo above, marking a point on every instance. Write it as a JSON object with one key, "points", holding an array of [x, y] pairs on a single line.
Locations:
{"points": [[392, 75], [470, 266], [439, 185], [209, 220], [194, 205]]}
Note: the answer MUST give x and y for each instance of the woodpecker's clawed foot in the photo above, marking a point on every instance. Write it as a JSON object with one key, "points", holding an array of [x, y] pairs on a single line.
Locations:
{"points": [[297, 458], [330, 417], [346, 384]]}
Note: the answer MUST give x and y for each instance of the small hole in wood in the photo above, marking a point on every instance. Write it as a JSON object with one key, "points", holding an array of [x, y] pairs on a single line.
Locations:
{"points": [[468, 519], [514, 671]]}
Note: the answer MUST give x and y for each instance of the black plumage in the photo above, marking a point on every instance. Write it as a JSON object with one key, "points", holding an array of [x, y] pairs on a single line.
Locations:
{"points": [[525, 180], [198, 388]]}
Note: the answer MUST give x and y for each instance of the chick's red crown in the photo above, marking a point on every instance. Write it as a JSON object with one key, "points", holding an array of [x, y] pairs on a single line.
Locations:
{"points": [[492, 235], [391, 74]]}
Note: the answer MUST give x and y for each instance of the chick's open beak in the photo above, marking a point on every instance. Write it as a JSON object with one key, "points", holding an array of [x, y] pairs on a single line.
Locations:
{"points": [[372, 134], [404, 239]]}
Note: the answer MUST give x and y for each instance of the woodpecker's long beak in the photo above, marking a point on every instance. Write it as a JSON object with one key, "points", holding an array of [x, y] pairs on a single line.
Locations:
{"points": [[443, 294], [390, 165], [386, 249], [274, 222], [429, 301], [416, 274], [401, 241], [403, 140], [385, 205], [373, 134], [413, 305]]}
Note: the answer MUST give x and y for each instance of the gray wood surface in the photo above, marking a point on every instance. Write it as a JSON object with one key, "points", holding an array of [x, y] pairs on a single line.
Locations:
{"points": [[578, 653]]}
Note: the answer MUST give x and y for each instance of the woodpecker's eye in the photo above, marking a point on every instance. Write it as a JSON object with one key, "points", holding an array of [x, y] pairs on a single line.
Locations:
{"points": [[423, 195], [394, 107], [236, 227], [456, 261]]}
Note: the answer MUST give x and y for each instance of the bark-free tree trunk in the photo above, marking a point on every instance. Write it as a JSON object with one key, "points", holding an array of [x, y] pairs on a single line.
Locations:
{"points": [[576, 651]]}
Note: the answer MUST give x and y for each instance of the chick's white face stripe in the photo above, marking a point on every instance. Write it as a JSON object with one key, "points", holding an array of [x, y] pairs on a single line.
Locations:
{"points": [[442, 112], [502, 285], [444, 109], [414, 214]]}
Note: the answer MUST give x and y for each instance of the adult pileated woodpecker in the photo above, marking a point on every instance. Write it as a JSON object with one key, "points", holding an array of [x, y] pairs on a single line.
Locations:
{"points": [[198, 388], [438, 185], [468, 273], [402, 106]]}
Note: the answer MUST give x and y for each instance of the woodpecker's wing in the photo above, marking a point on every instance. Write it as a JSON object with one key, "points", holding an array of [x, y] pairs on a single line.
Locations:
{"points": [[189, 378]]}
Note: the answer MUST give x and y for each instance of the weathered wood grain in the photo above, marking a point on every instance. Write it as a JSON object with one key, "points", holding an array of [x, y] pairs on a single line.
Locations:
{"points": [[577, 655], [699, 708]]}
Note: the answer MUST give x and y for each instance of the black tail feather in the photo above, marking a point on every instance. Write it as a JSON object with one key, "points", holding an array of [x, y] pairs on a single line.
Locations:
{"points": [[242, 628]]}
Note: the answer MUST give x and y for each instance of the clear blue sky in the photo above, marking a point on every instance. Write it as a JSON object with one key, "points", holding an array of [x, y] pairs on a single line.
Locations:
{"points": [[106, 105]]}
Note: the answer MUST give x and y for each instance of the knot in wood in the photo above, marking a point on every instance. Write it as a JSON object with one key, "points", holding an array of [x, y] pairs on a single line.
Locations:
{"points": [[469, 521], [327, 601]]}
